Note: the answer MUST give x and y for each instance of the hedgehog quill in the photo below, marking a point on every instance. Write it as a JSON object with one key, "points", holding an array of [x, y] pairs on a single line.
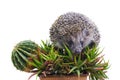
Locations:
{"points": [[74, 30]]}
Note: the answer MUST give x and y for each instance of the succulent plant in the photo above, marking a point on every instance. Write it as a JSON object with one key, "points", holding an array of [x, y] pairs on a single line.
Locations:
{"points": [[58, 61], [48, 60], [25, 55]]}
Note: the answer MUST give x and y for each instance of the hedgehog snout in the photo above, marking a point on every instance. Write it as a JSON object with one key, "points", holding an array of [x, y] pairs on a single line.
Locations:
{"points": [[77, 51]]}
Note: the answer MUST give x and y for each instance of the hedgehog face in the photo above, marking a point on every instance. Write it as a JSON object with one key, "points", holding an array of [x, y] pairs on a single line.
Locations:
{"points": [[79, 41], [75, 45]]}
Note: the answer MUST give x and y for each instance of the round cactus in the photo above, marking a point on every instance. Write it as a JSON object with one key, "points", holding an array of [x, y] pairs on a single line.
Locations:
{"points": [[25, 54]]}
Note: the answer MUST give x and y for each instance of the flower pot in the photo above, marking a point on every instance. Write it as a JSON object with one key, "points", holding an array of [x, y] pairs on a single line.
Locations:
{"points": [[68, 77]]}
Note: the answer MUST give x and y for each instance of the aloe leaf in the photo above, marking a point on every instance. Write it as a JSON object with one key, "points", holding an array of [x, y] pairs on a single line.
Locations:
{"points": [[78, 72], [82, 63], [69, 52], [73, 69], [45, 57]]}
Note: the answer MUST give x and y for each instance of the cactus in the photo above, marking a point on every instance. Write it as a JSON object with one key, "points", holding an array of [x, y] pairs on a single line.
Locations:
{"points": [[25, 55]]}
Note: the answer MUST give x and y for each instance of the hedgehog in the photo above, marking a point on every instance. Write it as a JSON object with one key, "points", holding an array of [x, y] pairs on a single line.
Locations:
{"points": [[74, 30]]}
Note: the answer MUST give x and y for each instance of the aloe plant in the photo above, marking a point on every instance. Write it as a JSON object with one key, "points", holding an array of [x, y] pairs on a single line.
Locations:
{"points": [[49, 60], [96, 65]]}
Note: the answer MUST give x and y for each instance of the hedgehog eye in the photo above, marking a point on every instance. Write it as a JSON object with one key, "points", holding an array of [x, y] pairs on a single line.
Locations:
{"points": [[70, 42], [81, 42]]}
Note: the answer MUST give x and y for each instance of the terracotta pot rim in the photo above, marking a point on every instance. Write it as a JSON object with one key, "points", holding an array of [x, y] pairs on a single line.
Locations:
{"points": [[64, 77], [82, 75]]}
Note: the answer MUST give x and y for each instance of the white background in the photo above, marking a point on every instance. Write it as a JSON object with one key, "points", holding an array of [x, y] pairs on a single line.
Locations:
{"points": [[31, 19]]}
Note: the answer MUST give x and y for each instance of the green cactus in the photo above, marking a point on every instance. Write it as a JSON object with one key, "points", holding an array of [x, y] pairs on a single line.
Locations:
{"points": [[25, 55]]}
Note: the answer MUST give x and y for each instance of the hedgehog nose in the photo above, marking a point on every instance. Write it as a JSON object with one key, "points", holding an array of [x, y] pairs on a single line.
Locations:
{"points": [[77, 51]]}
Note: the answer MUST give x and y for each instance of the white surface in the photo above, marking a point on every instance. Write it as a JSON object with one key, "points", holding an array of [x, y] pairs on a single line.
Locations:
{"points": [[31, 19]]}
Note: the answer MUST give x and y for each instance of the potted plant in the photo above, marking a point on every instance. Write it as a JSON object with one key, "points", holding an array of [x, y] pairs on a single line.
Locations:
{"points": [[51, 63]]}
